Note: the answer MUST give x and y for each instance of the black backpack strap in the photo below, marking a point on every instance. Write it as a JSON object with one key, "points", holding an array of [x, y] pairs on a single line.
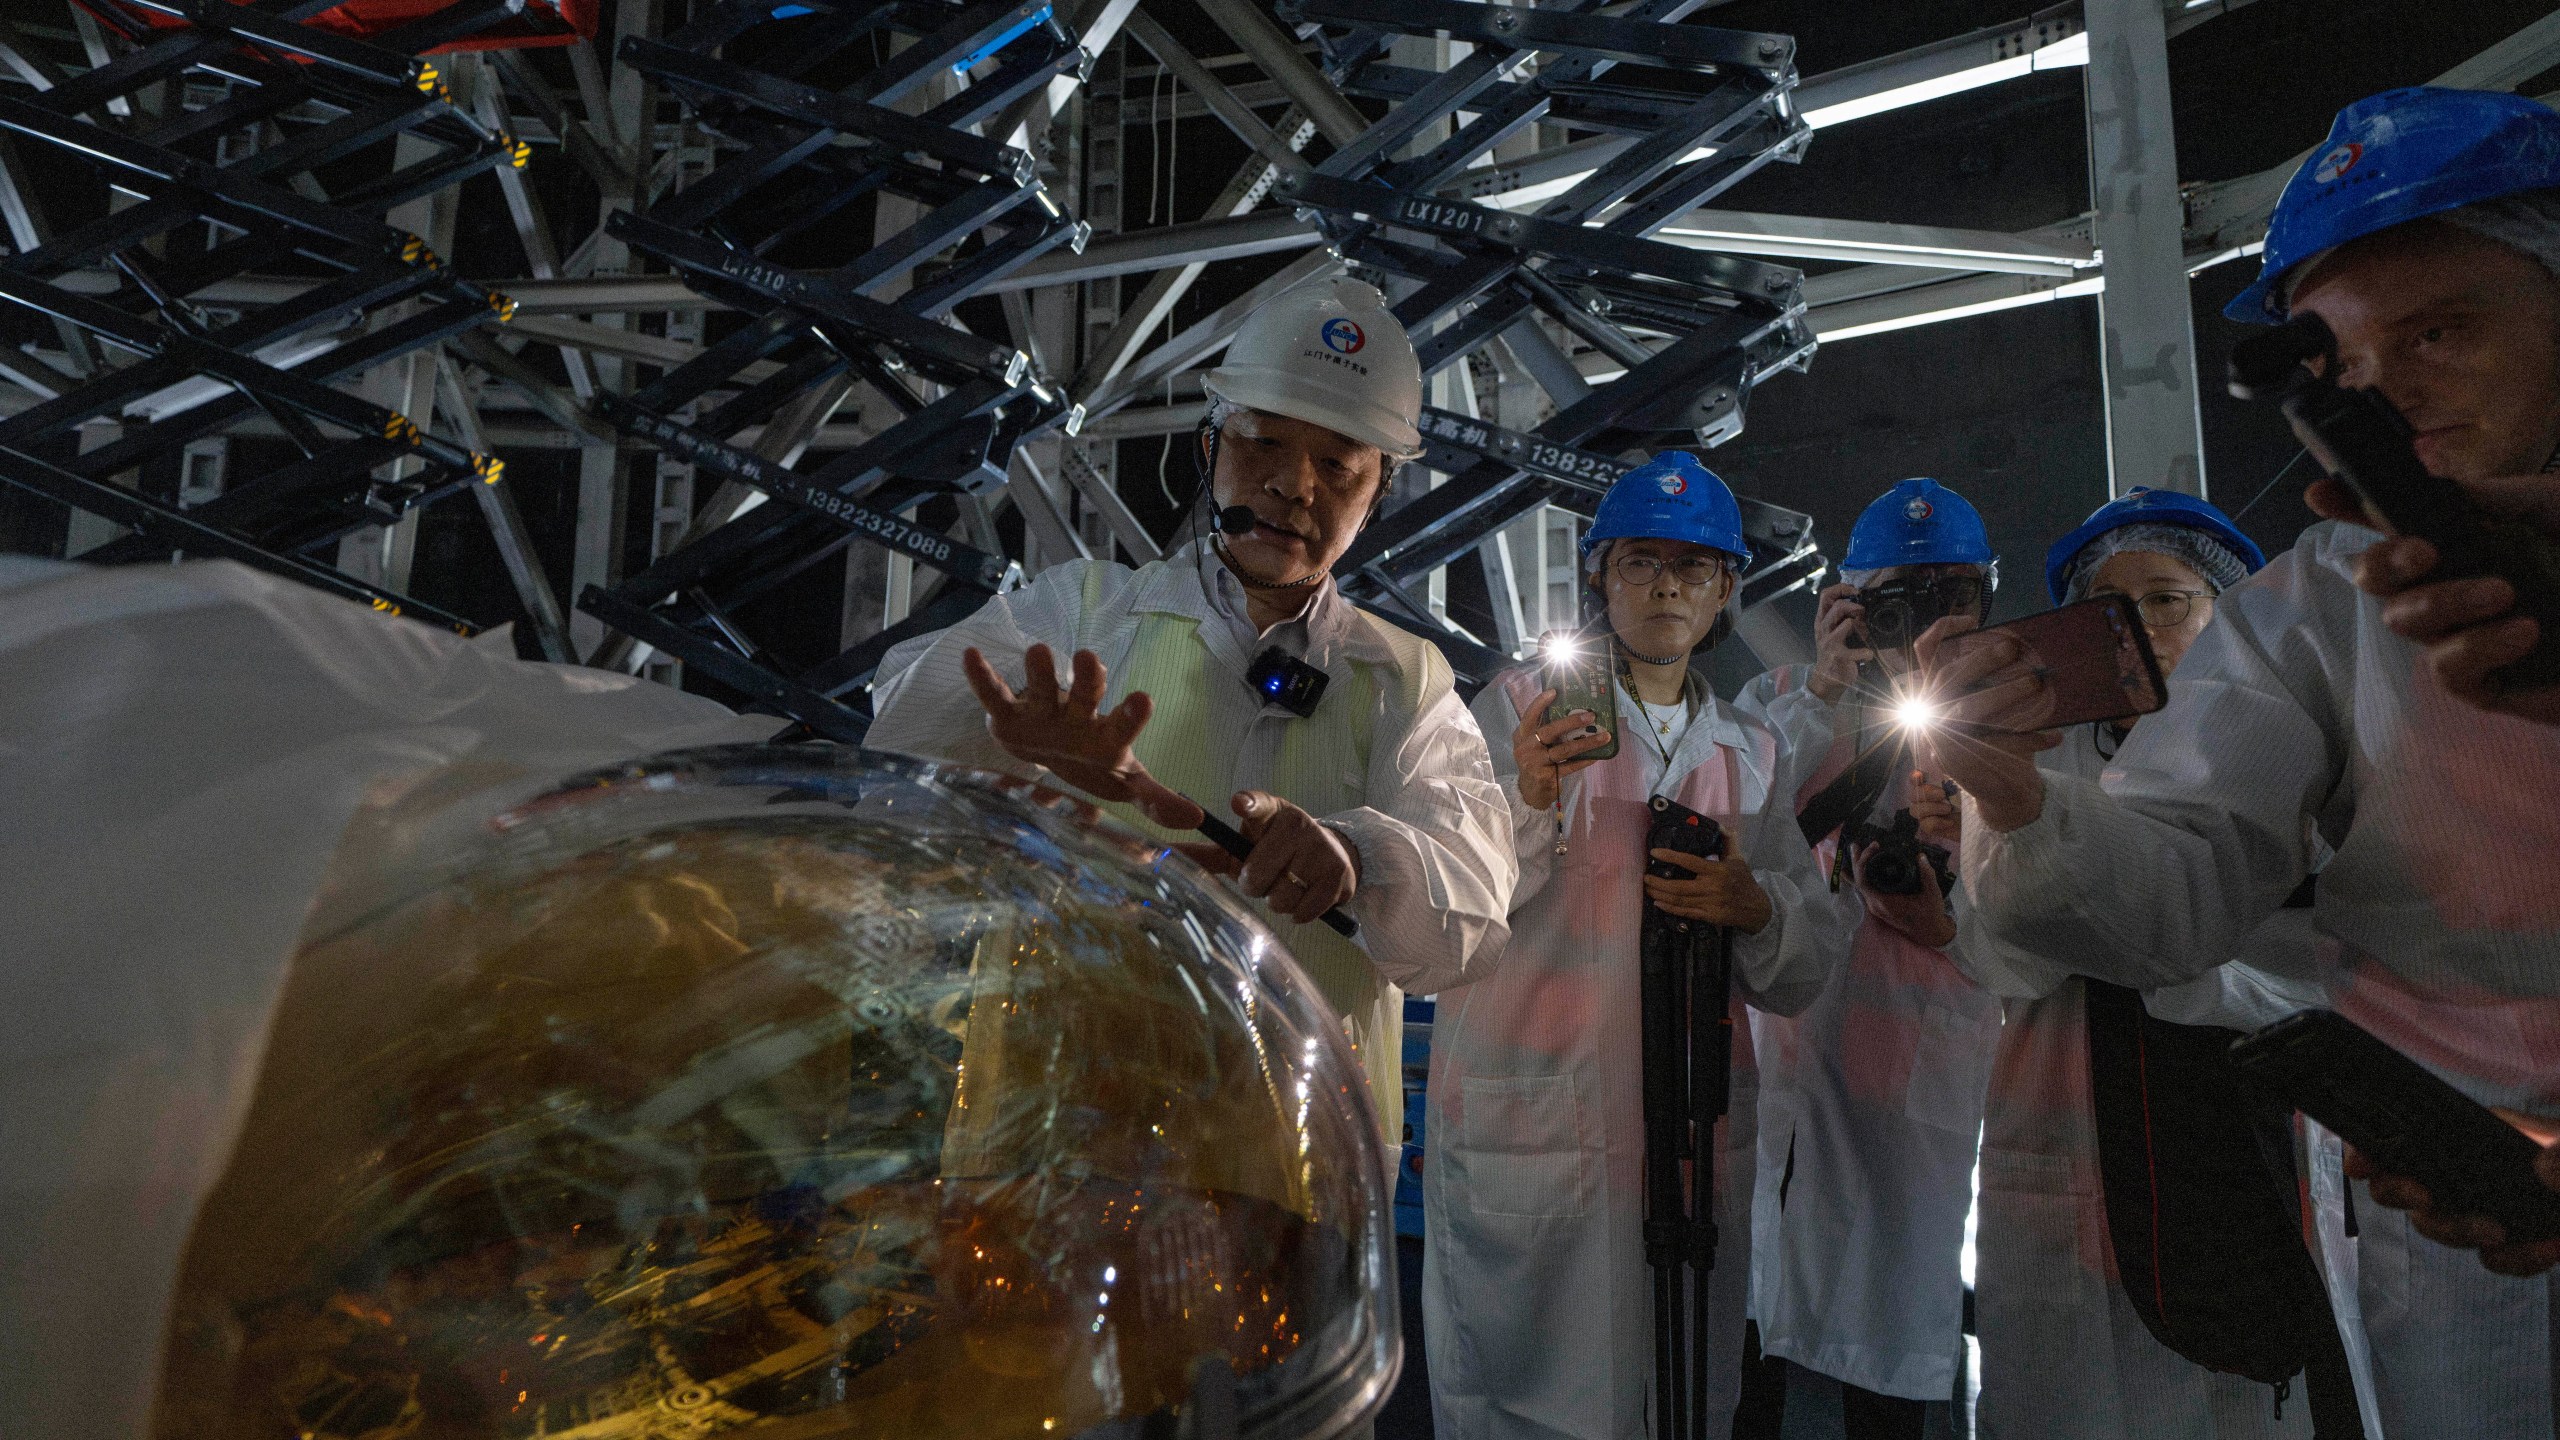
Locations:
{"points": [[2203, 1210], [1852, 794], [2331, 1387]]}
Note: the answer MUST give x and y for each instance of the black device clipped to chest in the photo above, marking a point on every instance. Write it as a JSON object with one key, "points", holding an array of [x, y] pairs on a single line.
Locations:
{"points": [[1288, 682]]}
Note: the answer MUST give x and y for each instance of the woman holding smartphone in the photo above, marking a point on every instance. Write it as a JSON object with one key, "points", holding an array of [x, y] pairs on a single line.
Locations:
{"points": [[2065, 1354], [1537, 1301]]}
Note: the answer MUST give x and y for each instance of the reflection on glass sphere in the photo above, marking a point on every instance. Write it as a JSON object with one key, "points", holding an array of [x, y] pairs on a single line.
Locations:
{"points": [[801, 1093]]}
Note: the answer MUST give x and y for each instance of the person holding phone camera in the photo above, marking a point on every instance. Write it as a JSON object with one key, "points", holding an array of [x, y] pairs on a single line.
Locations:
{"points": [[2067, 1353], [1537, 1301], [2425, 232], [2469, 626], [1375, 795], [1872, 1096]]}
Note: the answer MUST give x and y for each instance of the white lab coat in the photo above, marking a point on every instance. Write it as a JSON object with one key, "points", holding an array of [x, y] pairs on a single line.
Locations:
{"points": [[1433, 831], [2064, 1356], [181, 748], [2439, 926], [1873, 1098], [1537, 1303]]}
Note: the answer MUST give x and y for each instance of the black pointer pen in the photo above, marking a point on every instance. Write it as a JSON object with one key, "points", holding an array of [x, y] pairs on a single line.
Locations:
{"points": [[1226, 837]]}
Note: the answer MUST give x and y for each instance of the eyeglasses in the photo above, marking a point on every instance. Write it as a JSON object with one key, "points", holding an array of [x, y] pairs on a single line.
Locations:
{"points": [[1643, 570], [2165, 609]]}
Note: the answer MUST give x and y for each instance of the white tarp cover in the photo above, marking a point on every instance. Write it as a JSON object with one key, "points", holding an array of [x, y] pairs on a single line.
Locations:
{"points": [[181, 750]]}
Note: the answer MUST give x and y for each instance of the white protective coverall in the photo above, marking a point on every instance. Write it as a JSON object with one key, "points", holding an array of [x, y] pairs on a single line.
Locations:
{"points": [[2439, 925], [2064, 1356], [1390, 758], [181, 750], [1875, 1090], [1537, 1303]]}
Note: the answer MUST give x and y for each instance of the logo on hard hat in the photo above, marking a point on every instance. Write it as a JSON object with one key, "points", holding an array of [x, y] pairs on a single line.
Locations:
{"points": [[1343, 337], [1916, 510], [2338, 162], [1673, 483]]}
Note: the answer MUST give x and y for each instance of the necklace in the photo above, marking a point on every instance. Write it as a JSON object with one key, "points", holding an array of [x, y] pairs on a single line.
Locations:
{"points": [[1657, 736]]}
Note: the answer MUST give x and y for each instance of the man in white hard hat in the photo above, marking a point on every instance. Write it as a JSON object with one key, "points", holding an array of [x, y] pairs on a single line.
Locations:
{"points": [[1376, 795]]}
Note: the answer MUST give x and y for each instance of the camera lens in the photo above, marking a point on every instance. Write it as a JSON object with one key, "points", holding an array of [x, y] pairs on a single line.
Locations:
{"points": [[1889, 625], [1892, 871]]}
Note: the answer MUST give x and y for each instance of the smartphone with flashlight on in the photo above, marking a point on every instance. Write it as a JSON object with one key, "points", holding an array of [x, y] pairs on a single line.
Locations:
{"points": [[1582, 682], [2094, 657]]}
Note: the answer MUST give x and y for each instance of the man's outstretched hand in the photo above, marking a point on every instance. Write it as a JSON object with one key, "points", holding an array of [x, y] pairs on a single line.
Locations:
{"points": [[1066, 731], [1298, 864]]}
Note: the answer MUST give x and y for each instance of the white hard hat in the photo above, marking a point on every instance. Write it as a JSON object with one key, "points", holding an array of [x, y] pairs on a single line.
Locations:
{"points": [[1328, 352]]}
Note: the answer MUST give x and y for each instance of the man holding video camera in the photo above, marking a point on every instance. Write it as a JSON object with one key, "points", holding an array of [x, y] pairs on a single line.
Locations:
{"points": [[1872, 1098], [2424, 233], [1535, 1286]]}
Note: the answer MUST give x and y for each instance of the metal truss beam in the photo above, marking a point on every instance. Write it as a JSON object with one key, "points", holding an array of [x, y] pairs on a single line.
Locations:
{"points": [[829, 393], [876, 315], [2226, 219], [213, 130], [2147, 344]]}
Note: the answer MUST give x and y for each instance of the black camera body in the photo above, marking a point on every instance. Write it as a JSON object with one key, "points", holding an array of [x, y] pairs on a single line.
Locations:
{"points": [[1287, 681], [2359, 437], [1895, 867], [1898, 610]]}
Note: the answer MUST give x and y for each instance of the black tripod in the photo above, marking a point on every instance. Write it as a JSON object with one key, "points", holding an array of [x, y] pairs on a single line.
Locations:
{"points": [[1685, 979]]}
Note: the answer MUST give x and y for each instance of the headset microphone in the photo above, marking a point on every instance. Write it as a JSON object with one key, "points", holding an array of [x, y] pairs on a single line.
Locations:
{"points": [[1233, 520]]}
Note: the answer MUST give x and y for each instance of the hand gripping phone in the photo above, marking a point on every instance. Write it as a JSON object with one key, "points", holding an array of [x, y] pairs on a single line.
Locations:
{"points": [[1584, 683], [2406, 1119], [2095, 657]]}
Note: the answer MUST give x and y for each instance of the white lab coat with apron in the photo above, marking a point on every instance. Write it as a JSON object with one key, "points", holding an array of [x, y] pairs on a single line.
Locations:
{"points": [[2064, 1356], [182, 750], [1537, 1303], [1390, 758], [1872, 1098], [2439, 927]]}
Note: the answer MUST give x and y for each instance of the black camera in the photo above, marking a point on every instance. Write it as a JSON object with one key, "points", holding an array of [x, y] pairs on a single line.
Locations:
{"points": [[1898, 610], [1288, 682], [1895, 867]]}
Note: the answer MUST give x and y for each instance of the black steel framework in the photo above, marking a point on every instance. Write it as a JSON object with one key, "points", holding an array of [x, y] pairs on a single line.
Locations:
{"points": [[207, 211], [800, 155], [813, 121], [1698, 108]]}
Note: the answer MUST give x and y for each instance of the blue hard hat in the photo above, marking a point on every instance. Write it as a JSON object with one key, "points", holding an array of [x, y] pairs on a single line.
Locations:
{"points": [[1672, 496], [2144, 506], [2396, 157], [1918, 522]]}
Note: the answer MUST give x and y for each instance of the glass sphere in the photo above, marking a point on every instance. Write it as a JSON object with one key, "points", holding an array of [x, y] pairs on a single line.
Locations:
{"points": [[802, 1092]]}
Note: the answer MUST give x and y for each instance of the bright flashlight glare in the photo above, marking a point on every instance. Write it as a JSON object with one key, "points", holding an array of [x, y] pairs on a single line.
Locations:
{"points": [[1915, 713], [1560, 649]]}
